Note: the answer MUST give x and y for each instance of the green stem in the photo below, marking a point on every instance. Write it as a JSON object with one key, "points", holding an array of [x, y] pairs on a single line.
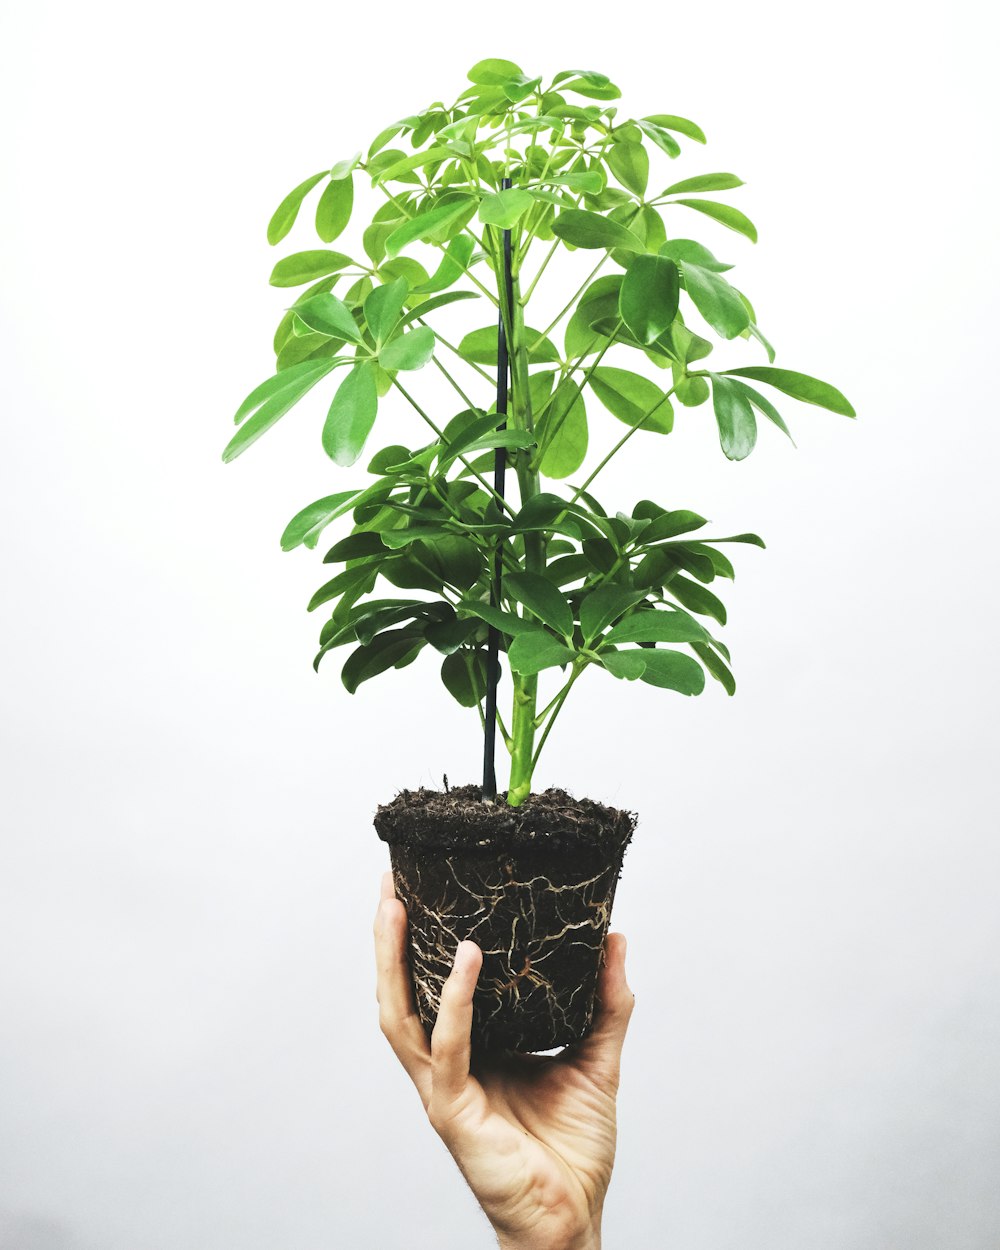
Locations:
{"points": [[462, 395], [621, 443], [560, 699], [455, 352], [576, 294], [552, 430], [523, 739], [520, 417]]}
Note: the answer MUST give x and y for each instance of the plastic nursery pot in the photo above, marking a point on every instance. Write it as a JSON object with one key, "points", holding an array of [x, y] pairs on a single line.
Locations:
{"points": [[533, 886]]}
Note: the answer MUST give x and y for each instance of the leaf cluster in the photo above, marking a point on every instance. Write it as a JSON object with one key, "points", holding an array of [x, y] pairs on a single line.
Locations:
{"points": [[557, 166]]}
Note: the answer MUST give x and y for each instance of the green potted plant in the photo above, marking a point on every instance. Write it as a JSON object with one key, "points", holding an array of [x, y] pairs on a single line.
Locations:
{"points": [[520, 188]]}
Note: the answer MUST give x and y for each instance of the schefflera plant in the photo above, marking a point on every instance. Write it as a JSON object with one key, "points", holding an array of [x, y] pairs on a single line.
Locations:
{"points": [[526, 169]]}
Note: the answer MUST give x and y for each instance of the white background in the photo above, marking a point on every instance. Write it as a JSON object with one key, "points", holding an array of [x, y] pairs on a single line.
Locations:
{"points": [[189, 1056]]}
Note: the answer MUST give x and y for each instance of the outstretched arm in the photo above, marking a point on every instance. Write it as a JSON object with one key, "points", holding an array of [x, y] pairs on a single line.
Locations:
{"points": [[533, 1135]]}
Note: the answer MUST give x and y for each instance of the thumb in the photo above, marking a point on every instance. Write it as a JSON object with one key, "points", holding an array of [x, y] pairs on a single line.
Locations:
{"points": [[599, 1053]]}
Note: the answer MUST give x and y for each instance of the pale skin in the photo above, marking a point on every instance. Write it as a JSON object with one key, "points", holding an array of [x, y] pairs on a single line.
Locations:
{"points": [[534, 1136]]}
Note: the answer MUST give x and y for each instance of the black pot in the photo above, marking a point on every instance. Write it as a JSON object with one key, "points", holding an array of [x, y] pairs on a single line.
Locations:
{"points": [[532, 885]]}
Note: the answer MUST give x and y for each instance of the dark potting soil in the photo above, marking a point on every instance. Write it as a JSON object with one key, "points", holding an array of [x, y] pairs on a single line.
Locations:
{"points": [[532, 885], [461, 818]]}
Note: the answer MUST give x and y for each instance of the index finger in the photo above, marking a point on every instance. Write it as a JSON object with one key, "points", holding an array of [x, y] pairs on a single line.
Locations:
{"points": [[398, 1017]]}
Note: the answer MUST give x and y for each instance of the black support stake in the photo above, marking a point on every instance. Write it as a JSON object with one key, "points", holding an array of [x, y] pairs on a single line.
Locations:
{"points": [[499, 476]]}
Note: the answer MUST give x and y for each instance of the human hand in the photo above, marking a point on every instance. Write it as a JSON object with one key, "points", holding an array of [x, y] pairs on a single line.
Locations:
{"points": [[534, 1135]]}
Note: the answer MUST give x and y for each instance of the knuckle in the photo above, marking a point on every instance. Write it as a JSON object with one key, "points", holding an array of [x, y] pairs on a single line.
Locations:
{"points": [[441, 1042]]}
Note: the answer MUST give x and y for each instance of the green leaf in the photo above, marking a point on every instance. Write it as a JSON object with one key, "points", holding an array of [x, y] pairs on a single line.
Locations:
{"points": [[306, 526], [383, 137], [716, 666], [382, 172], [599, 302], [799, 386], [454, 263], [343, 169], [493, 72], [546, 511], [587, 83], [691, 391], [326, 314], [604, 605], [754, 330], [333, 211], [383, 308], [464, 429], [298, 378], [457, 560], [725, 214], [464, 674], [716, 300], [589, 181], [705, 182], [754, 540], [632, 398], [355, 547], [568, 569], [480, 347], [302, 267], [429, 222], [629, 162], [542, 599], [530, 653], [519, 88], [448, 635], [360, 577], [668, 121], [648, 225], [602, 553], [657, 626], [388, 458], [505, 208], [436, 301], [721, 564], [624, 664], [683, 250], [672, 670], [734, 417], [764, 405], [661, 137], [687, 346], [590, 77], [351, 416], [409, 351], [670, 524], [590, 230], [511, 439], [273, 409], [389, 650], [562, 431], [506, 622], [287, 211], [375, 615], [696, 598], [649, 296]]}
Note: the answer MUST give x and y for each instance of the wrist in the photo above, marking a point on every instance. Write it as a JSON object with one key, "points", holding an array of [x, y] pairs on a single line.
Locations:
{"points": [[589, 1240]]}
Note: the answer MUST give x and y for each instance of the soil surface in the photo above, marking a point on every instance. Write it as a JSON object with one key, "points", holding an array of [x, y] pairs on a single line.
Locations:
{"points": [[461, 818]]}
